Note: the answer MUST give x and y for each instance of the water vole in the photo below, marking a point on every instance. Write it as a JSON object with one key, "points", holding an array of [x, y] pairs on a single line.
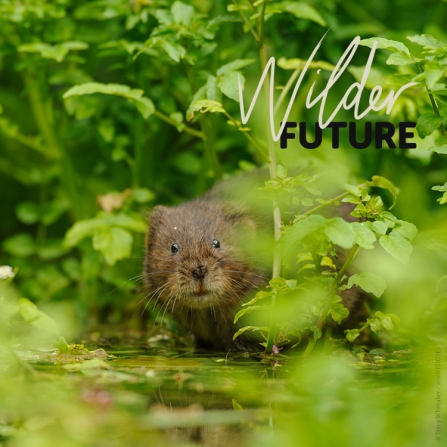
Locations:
{"points": [[198, 266], [203, 259]]}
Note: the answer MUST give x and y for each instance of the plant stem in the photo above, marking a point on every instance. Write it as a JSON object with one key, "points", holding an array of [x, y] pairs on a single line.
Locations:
{"points": [[42, 111], [249, 137], [325, 204], [433, 103], [207, 132], [276, 271], [287, 87], [174, 123], [210, 148], [247, 22], [32, 143], [327, 305]]}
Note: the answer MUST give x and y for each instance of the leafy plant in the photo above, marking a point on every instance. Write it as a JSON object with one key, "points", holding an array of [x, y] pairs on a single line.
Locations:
{"points": [[314, 243]]}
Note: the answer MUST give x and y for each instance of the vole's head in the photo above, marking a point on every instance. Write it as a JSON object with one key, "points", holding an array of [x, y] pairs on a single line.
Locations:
{"points": [[195, 255]]}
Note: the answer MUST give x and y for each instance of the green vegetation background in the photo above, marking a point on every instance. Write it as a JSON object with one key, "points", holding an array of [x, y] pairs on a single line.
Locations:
{"points": [[79, 174], [106, 160]]}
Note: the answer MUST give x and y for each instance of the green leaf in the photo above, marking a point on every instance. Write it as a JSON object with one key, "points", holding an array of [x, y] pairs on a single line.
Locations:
{"points": [[228, 84], [386, 44], [82, 229], [388, 321], [375, 324], [340, 232], [234, 66], [291, 283], [182, 13], [250, 328], [399, 80], [113, 243], [142, 195], [61, 345], [232, 8], [441, 145], [302, 11], [56, 52], [188, 162], [406, 229], [28, 212], [382, 182], [144, 105], [20, 245], [442, 200], [338, 312], [363, 235], [259, 296], [164, 17], [174, 50], [35, 317], [380, 227], [400, 58], [369, 282], [87, 227], [132, 223], [355, 190], [352, 334], [244, 311], [427, 41], [397, 246], [433, 72], [281, 171], [211, 89], [294, 63], [442, 188], [427, 123], [317, 332], [303, 228]]}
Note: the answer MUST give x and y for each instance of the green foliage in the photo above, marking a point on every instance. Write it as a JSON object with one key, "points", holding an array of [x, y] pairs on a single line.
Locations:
{"points": [[108, 107], [130, 104], [313, 237], [429, 70]]}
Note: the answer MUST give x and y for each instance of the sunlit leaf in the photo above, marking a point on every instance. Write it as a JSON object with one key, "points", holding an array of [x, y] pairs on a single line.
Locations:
{"points": [[397, 246], [57, 52], [250, 328], [143, 104], [228, 84], [386, 44], [369, 282], [340, 232], [234, 66]]}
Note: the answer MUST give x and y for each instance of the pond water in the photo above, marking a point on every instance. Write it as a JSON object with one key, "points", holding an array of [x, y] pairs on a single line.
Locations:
{"points": [[136, 395]]}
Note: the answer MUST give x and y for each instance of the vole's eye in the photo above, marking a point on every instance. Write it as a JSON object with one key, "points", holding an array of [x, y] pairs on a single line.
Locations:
{"points": [[216, 243], [174, 248]]}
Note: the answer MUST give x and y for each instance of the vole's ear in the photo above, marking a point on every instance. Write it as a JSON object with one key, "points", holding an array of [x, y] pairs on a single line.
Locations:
{"points": [[155, 219], [157, 214], [238, 217]]}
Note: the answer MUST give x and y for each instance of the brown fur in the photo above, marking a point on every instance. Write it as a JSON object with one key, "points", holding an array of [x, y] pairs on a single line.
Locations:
{"points": [[204, 303], [203, 287]]}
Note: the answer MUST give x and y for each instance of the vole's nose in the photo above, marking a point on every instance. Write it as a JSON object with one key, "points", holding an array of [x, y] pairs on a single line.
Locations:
{"points": [[199, 272]]}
